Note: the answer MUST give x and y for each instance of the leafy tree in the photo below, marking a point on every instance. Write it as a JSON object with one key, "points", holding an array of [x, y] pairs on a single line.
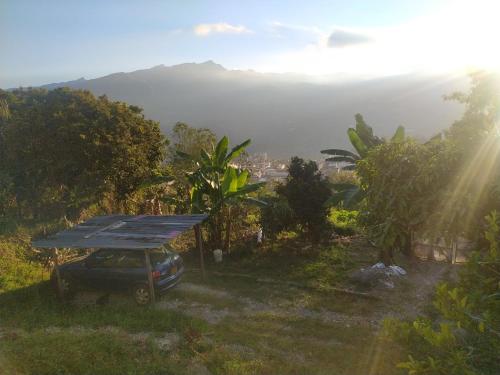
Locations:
{"points": [[216, 185], [66, 150], [186, 140], [471, 157], [467, 338], [306, 191], [397, 180], [362, 140], [276, 216]]}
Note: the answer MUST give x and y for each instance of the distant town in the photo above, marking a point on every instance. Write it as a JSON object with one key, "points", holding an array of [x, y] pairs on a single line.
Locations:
{"points": [[265, 169]]}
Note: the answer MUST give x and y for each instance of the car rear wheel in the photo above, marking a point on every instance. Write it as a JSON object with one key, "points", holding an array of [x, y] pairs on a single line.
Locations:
{"points": [[141, 294]]}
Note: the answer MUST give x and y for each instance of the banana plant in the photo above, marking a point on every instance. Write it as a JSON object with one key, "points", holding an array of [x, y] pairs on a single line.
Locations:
{"points": [[362, 140], [216, 185]]}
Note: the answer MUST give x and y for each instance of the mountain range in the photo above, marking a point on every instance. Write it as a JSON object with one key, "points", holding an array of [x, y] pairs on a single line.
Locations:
{"points": [[283, 114]]}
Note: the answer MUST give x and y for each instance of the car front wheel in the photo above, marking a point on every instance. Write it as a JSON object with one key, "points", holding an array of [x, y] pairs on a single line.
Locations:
{"points": [[141, 294]]}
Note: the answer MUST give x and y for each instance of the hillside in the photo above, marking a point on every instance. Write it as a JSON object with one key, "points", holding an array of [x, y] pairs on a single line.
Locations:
{"points": [[284, 114]]}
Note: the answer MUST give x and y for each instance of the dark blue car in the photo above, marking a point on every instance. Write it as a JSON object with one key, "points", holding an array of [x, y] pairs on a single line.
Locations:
{"points": [[122, 270]]}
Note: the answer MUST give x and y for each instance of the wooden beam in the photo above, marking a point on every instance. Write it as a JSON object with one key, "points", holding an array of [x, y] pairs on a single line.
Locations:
{"points": [[149, 270], [60, 290], [199, 244]]}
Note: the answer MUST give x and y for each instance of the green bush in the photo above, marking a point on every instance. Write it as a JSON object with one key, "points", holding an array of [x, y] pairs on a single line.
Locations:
{"points": [[276, 217], [467, 339], [344, 221]]}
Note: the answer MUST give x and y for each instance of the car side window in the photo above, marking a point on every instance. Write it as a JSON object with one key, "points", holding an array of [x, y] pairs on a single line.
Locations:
{"points": [[104, 259], [116, 258], [131, 259]]}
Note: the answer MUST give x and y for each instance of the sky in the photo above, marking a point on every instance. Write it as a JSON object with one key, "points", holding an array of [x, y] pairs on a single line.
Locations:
{"points": [[45, 41]]}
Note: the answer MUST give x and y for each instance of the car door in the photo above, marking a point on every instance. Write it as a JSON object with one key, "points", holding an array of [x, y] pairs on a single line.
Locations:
{"points": [[99, 266], [129, 269]]}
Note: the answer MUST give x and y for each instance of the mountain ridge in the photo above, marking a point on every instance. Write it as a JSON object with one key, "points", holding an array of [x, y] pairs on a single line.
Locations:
{"points": [[283, 114]]}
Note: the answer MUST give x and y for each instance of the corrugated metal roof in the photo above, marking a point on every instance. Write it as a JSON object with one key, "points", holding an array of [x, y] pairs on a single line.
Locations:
{"points": [[122, 232]]}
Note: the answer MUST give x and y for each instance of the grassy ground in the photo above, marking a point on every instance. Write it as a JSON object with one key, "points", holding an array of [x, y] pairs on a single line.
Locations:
{"points": [[266, 311]]}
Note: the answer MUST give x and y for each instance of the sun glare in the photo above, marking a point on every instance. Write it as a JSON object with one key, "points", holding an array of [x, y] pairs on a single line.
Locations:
{"points": [[459, 38]]}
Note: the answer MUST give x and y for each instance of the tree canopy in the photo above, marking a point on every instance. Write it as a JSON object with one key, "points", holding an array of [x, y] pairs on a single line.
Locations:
{"points": [[64, 150]]}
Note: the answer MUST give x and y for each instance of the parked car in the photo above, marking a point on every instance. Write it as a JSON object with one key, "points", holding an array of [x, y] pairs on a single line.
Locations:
{"points": [[121, 270]]}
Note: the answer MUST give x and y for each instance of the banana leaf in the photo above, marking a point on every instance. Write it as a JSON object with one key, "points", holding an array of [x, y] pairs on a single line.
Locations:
{"points": [[340, 152], [342, 159], [221, 151], [399, 136], [237, 150], [357, 143]]}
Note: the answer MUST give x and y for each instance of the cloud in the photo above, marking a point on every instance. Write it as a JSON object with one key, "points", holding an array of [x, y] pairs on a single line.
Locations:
{"points": [[343, 38], [205, 29]]}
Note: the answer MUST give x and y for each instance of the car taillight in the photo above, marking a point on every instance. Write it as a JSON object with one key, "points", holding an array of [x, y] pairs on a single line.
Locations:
{"points": [[156, 274]]}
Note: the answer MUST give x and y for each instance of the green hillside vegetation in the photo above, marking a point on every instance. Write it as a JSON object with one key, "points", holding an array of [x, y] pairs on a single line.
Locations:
{"points": [[288, 305]]}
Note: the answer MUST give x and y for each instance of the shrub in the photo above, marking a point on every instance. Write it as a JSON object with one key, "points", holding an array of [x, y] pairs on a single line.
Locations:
{"points": [[276, 216], [467, 338], [344, 221], [306, 191]]}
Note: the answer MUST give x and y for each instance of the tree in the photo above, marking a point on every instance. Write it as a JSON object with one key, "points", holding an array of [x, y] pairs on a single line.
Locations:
{"points": [[467, 338], [443, 188], [186, 140], [362, 140], [396, 180], [306, 191], [66, 150], [276, 216], [216, 185]]}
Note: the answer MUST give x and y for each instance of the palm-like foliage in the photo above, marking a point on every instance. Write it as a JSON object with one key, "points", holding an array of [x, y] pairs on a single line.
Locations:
{"points": [[216, 184], [362, 140]]}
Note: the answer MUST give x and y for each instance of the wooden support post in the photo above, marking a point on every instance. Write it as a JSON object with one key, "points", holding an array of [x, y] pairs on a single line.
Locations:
{"points": [[149, 270], [60, 290], [454, 252], [199, 243]]}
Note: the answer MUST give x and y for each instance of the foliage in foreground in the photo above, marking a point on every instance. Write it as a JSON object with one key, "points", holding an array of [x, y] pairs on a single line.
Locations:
{"points": [[465, 340], [362, 140], [63, 151], [216, 185], [442, 188], [306, 191]]}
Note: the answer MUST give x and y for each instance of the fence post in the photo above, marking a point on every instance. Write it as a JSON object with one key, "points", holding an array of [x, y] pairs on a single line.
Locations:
{"points": [[149, 270], [199, 244], [60, 291]]}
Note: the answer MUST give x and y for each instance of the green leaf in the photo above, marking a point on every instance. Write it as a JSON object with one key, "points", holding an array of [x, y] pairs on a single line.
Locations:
{"points": [[221, 150], [246, 189], [357, 143], [242, 178], [205, 157], [339, 152], [342, 159], [399, 136], [230, 181], [347, 194], [237, 150], [256, 202]]}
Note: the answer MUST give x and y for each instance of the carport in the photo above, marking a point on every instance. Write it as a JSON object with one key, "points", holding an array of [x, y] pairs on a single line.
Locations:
{"points": [[131, 232]]}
